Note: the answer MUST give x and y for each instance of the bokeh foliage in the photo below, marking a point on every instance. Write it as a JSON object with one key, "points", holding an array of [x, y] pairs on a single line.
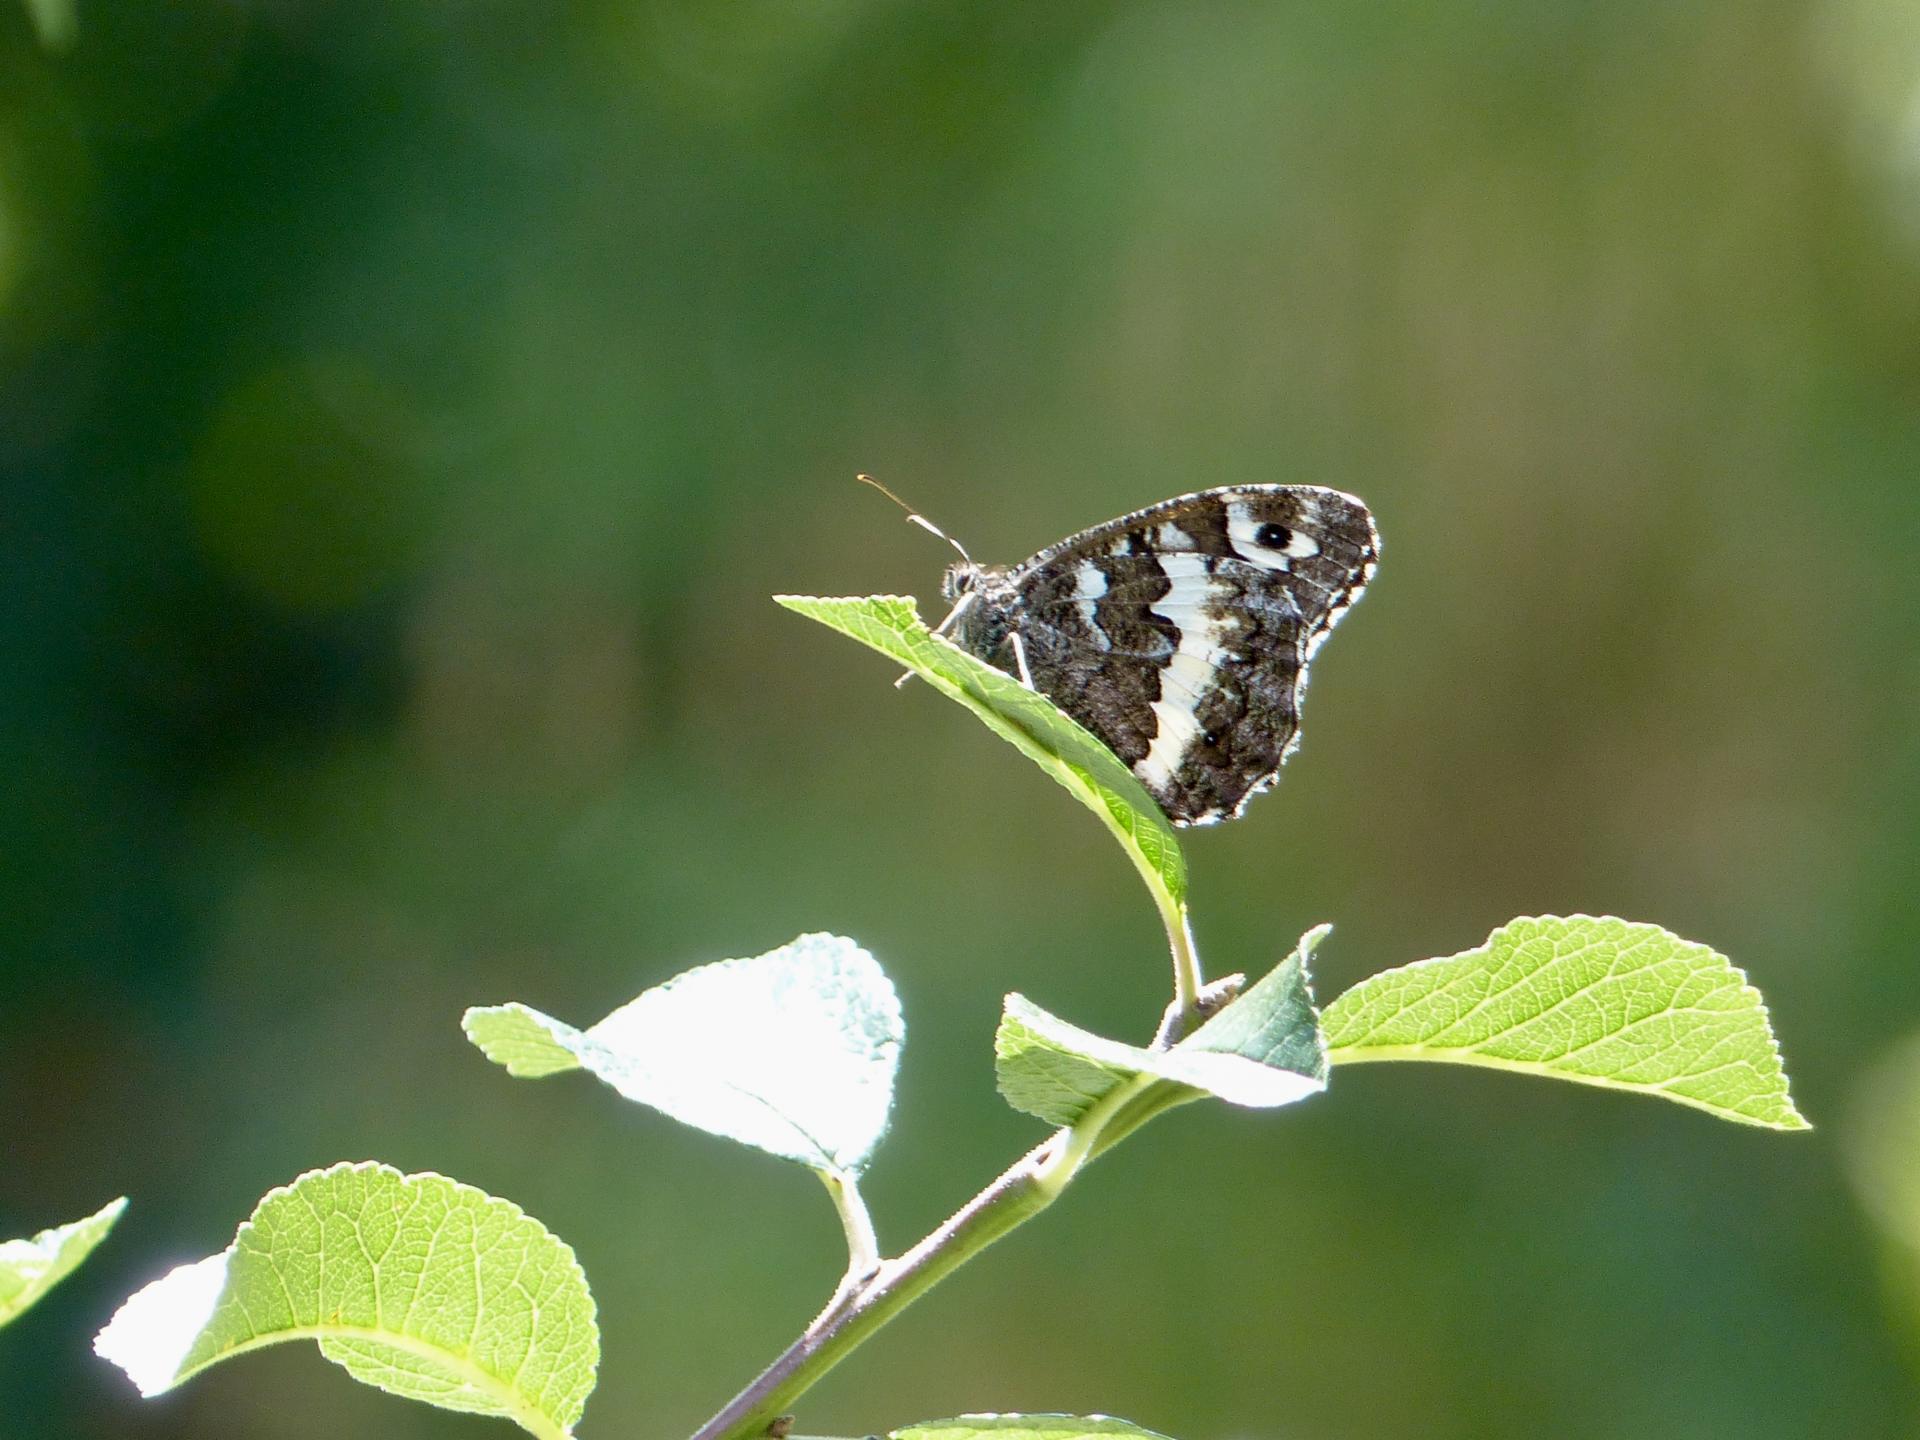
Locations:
{"points": [[403, 421]]}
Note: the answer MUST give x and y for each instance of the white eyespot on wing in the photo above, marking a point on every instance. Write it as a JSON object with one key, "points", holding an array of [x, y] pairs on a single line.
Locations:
{"points": [[1262, 540]]}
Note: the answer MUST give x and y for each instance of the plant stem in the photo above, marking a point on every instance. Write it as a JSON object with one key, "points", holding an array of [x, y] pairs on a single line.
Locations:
{"points": [[861, 1309], [1023, 1190], [1187, 978]]}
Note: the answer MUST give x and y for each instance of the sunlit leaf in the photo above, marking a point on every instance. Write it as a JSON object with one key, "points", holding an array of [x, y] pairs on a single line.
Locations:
{"points": [[1031, 722], [1057, 1071], [1027, 1427], [1261, 1051], [30, 1268], [415, 1283], [793, 1052], [1274, 1023], [526, 1043], [1600, 1001]]}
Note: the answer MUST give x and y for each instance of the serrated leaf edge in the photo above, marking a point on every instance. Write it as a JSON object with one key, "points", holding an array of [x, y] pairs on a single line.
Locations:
{"points": [[514, 1405], [51, 1244], [586, 1050], [1359, 1053]]}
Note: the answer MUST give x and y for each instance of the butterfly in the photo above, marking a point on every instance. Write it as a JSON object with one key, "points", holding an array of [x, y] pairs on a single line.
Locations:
{"points": [[1179, 634]]}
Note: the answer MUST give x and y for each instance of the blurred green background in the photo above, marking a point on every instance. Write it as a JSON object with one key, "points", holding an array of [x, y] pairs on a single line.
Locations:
{"points": [[406, 411]]}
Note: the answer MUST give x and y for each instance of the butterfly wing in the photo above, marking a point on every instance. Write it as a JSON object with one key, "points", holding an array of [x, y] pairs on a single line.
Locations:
{"points": [[1181, 634]]}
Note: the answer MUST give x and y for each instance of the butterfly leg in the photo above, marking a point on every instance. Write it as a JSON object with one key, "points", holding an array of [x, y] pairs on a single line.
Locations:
{"points": [[1020, 659], [941, 630], [954, 614]]}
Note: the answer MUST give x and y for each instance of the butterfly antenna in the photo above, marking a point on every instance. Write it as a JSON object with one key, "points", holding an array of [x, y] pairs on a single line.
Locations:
{"points": [[932, 529], [916, 518]]}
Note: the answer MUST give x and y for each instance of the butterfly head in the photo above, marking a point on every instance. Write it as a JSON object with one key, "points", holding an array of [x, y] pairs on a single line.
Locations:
{"points": [[961, 579]]}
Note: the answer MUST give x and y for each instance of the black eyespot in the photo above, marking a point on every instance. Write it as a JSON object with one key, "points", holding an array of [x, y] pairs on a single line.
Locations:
{"points": [[1212, 737], [1273, 537]]}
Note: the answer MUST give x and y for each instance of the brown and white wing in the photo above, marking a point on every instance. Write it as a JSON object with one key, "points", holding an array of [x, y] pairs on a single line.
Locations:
{"points": [[1181, 634]]}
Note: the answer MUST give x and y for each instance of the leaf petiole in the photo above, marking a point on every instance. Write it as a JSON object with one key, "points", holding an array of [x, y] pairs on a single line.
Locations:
{"points": [[863, 1245]]}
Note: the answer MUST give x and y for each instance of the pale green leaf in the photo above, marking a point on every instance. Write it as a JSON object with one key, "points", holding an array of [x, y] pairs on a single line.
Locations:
{"points": [[417, 1284], [30, 1268], [1055, 1071], [1274, 1024], [793, 1052], [1074, 757], [1263, 1050], [527, 1043], [1599, 1001], [1027, 1427]]}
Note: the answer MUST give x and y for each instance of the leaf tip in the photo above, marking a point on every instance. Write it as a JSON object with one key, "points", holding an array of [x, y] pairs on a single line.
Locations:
{"points": [[149, 1336], [525, 1043], [1597, 1000]]}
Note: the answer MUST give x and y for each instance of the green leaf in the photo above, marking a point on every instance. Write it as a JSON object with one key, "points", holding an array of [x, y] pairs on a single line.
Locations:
{"points": [[30, 1268], [1598, 1001], [1026, 1427], [521, 1039], [793, 1052], [417, 1284], [1273, 1024], [1263, 1050], [1073, 756], [1055, 1071]]}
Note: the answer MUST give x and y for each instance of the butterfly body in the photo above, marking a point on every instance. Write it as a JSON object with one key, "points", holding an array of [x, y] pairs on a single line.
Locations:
{"points": [[1179, 634]]}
